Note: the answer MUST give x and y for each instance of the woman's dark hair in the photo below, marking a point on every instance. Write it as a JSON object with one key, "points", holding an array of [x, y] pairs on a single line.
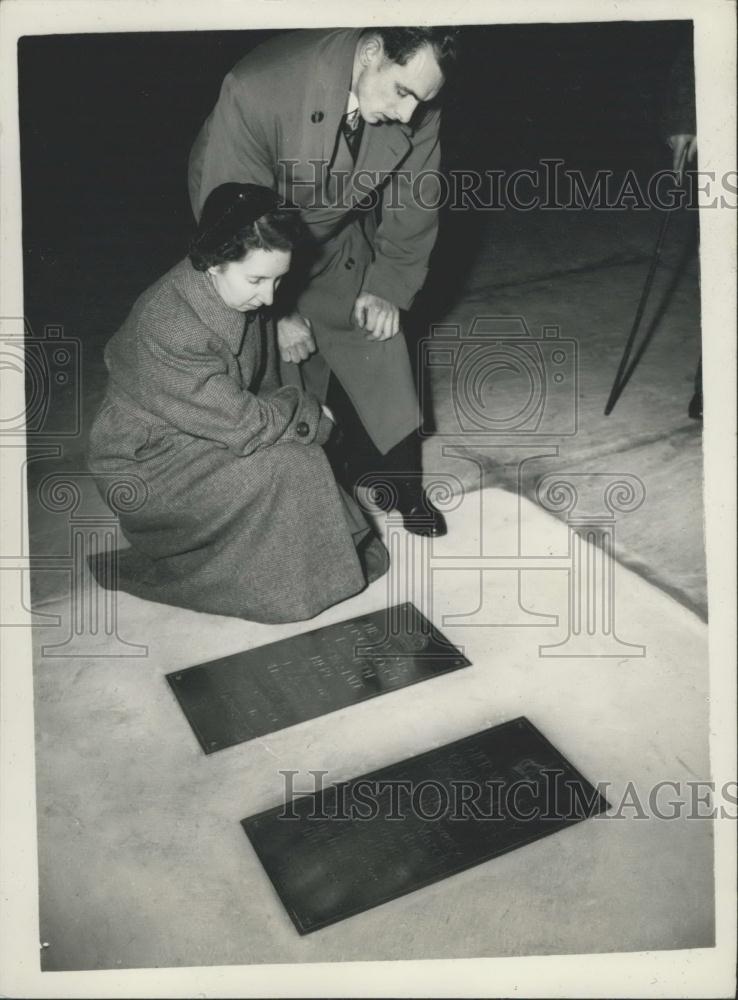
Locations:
{"points": [[400, 44], [238, 218]]}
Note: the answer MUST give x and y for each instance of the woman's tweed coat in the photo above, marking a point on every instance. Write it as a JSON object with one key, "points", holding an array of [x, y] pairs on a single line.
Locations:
{"points": [[242, 514]]}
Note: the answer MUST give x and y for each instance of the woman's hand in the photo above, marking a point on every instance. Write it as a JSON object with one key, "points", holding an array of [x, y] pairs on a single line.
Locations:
{"points": [[380, 318], [295, 338]]}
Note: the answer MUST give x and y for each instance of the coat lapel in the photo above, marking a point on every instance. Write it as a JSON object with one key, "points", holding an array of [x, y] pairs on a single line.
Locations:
{"points": [[383, 147], [328, 94]]}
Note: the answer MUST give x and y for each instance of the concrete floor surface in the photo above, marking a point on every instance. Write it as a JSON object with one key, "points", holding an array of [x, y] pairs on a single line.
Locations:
{"points": [[142, 858], [143, 861], [591, 301]]}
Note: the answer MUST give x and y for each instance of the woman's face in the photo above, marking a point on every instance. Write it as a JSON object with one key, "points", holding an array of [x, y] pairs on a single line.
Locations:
{"points": [[251, 283]]}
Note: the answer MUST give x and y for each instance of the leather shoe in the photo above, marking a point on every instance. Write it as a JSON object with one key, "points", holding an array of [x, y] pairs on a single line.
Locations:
{"points": [[419, 516], [423, 519]]}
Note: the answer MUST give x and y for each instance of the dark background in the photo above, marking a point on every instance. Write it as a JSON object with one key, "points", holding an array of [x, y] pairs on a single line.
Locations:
{"points": [[107, 122]]}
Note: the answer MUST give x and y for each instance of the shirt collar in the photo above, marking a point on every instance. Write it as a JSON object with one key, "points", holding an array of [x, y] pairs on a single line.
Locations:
{"points": [[353, 105]]}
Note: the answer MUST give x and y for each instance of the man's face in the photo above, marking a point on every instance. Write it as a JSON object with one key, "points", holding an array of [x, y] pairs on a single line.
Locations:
{"points": [[388, 92]]}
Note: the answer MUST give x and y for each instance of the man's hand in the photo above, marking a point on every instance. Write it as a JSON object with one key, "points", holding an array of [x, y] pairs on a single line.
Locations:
{"points": [[377, 316], [684, 148], [295, 338]]}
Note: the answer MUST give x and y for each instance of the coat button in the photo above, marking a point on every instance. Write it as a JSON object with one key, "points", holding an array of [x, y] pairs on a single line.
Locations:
{"points": [[302, 429], [349, 263], [316, 117]]}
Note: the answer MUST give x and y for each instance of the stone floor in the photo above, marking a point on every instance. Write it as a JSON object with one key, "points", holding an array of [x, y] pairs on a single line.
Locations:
{"points": [[143, 861], [142, 858]]}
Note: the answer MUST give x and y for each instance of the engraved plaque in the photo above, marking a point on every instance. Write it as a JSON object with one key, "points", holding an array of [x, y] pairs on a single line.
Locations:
{"points": [[249, 694], [355, 845]]}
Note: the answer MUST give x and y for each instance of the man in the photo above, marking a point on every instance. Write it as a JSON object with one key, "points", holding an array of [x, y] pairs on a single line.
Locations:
{"points": [[291, 115]]}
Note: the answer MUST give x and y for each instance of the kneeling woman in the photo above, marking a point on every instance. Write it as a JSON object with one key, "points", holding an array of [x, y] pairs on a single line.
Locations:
{"points": [[242, 514]]}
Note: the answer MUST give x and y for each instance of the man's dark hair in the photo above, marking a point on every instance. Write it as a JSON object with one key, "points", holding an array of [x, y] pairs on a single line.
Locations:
{"points": [[402, 43]]}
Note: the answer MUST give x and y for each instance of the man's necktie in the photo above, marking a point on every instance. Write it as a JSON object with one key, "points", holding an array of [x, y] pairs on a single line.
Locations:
{"points": [[352, 126]]}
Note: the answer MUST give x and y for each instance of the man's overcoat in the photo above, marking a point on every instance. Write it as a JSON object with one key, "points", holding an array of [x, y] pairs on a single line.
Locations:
{"points": [[241, 514], [277, 123]]}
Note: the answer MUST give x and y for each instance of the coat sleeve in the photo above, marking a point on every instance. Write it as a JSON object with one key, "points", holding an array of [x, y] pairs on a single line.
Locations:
{"points": [[185, 380], [232, 146], [409, 225]]}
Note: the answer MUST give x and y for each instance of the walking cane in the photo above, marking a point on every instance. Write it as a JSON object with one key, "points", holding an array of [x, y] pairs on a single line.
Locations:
{"points": [[617, 388]]}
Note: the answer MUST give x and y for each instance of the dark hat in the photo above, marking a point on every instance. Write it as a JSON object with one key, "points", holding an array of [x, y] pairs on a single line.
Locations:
{"points": [[230, 208]]}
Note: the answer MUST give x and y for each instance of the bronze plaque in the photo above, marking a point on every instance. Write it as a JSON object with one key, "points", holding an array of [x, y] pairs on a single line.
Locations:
{"points": [[352, 846], [259, 691]]}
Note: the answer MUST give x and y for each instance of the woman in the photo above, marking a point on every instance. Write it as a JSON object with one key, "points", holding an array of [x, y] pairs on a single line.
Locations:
{"points": [[242, 515]]}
